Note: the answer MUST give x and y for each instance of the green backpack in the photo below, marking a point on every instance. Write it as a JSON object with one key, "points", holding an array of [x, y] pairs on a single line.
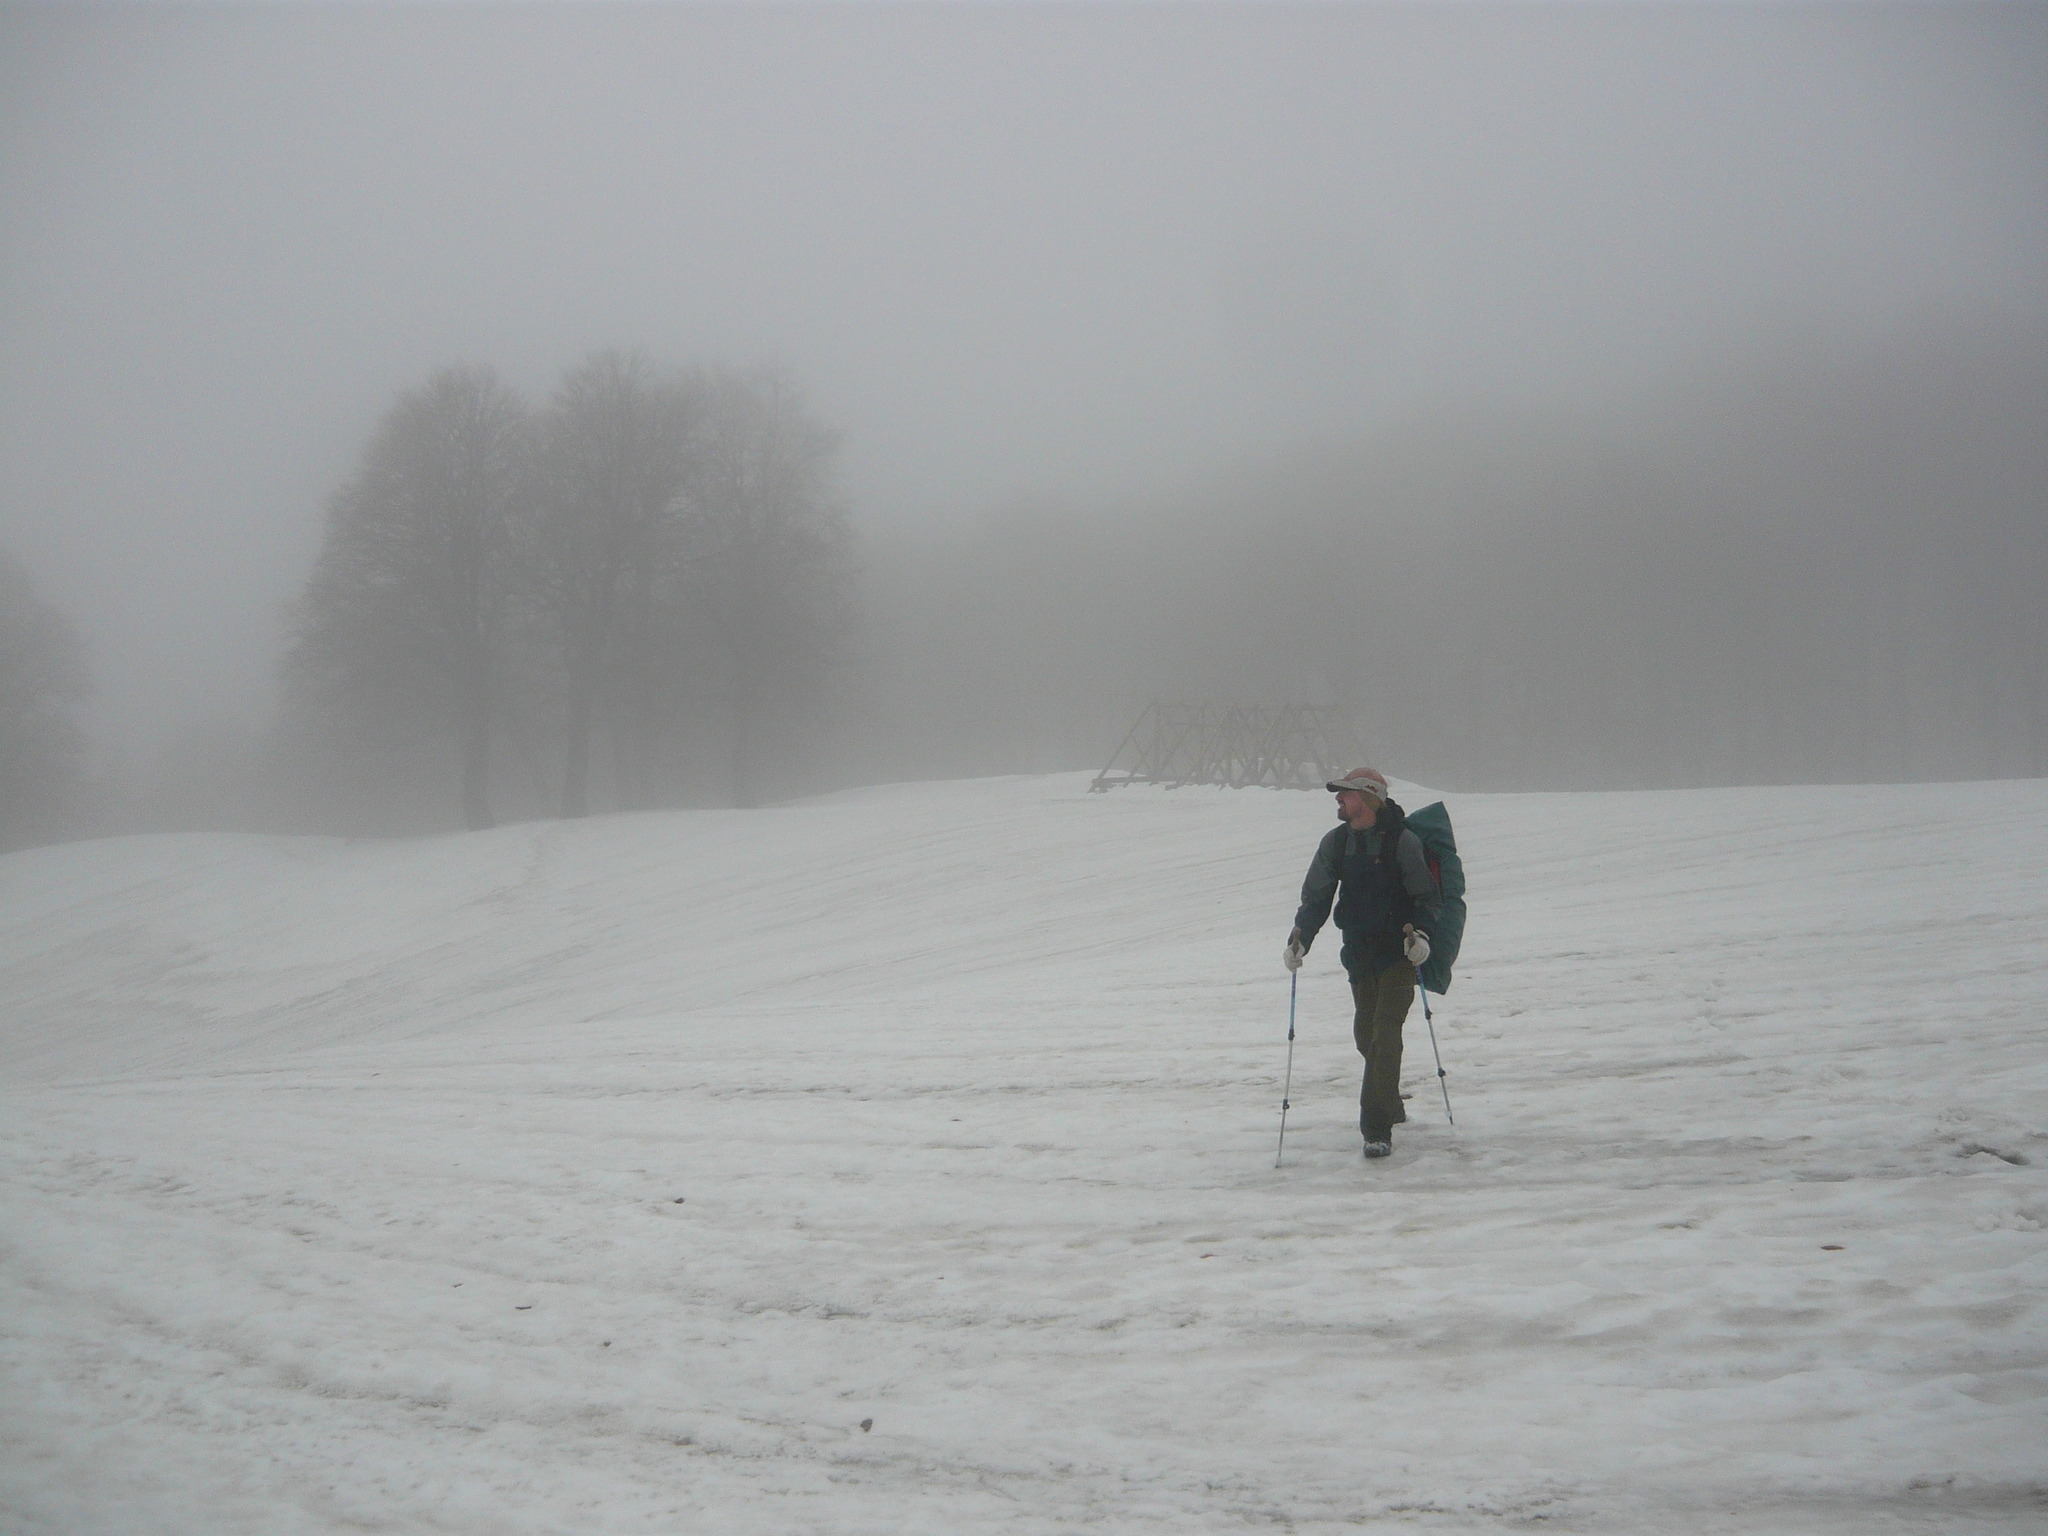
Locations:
{"points": [[1432, 824]]}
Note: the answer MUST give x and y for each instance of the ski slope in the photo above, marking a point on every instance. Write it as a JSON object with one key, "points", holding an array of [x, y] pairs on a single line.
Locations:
{"points": [[610, 1177]]}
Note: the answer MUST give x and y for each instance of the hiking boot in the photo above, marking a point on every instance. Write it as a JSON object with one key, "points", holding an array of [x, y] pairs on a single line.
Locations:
{"points": [[1378, 1148]]}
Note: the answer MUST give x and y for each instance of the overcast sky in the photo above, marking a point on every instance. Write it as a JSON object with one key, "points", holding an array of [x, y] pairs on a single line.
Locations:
{"points": [[1079, 253]]}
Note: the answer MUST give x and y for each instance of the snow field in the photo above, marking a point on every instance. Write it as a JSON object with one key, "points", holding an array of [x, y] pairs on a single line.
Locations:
{"points": [[341, 1179]]}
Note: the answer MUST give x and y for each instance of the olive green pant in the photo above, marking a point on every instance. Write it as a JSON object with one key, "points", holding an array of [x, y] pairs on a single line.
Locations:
{"points": [[1383, 1002]]}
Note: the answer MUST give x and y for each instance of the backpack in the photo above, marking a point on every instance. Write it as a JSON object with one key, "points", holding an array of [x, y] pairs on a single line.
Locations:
{"points": [[1432, 824]]}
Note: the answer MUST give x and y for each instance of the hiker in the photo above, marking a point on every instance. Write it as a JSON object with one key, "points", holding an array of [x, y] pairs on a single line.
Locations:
{"points": [[1386, 912]]}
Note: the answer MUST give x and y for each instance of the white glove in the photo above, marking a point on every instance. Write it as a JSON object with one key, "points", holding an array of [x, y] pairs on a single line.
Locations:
{"points": [[1416, 946], [1291, 955]]}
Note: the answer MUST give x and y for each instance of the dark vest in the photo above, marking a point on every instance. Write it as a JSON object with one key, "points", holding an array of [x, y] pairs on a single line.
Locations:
{"points": [[1372, 902]]}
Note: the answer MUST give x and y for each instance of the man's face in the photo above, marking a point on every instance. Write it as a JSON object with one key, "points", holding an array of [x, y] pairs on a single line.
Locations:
{"points": [[1351, 805]]}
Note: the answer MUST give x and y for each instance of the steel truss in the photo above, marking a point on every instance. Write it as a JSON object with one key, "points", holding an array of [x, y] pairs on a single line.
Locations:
{"points": [[1287, 746]]}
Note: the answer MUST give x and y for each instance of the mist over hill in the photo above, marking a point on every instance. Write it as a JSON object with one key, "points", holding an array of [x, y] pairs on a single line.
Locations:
{"points": [[1575, 395], [1820, 561]]}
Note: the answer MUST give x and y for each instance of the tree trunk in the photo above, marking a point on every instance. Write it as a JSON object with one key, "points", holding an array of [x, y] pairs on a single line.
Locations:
{"points": [[742, 753], [476, 748], [576, 759], [476, 767]]}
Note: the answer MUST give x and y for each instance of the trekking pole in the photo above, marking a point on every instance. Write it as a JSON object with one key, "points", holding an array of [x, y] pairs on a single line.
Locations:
{"points": [[1431, 1022], [1293, 985]]}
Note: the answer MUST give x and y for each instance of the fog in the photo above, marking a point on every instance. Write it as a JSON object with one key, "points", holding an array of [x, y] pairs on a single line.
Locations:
{"points": [[1583, 395]]}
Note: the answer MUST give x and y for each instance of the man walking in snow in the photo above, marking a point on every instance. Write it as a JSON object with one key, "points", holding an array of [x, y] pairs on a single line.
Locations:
{"points": [[1385, 912]]}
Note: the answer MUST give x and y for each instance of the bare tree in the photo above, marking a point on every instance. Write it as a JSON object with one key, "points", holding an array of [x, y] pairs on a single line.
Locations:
{"points": [[616, 451], [42, 751], [772, 558], [405, 616]]}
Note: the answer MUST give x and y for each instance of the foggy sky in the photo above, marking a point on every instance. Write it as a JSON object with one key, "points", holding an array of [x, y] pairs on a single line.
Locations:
{"points": [[1078, 255]]}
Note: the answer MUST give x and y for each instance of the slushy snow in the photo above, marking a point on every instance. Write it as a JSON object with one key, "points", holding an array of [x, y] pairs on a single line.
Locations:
{"points": [[611, 1176]]}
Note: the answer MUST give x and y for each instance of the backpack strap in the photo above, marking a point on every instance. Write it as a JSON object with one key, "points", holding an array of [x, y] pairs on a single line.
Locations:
{"points": [[1390, 842], [1389, 860]]}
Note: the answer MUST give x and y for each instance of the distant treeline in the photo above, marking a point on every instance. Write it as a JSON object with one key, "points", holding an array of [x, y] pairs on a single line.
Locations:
{"points": [[604, 601], [1828, 562]]}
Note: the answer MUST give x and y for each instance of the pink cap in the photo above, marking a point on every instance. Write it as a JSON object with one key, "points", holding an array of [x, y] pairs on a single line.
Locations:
{"points": [[1367, 781]]}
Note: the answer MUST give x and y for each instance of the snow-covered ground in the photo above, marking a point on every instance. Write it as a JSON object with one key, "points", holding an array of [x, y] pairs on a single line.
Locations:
{"points": [[612, 1177]]}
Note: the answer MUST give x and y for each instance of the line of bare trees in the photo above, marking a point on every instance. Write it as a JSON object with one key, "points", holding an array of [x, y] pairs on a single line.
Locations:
{"points": [[652, 560]]}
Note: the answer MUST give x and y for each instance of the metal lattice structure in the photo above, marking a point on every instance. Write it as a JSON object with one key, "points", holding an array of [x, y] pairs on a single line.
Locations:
{"points": [[1288, 746]]}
